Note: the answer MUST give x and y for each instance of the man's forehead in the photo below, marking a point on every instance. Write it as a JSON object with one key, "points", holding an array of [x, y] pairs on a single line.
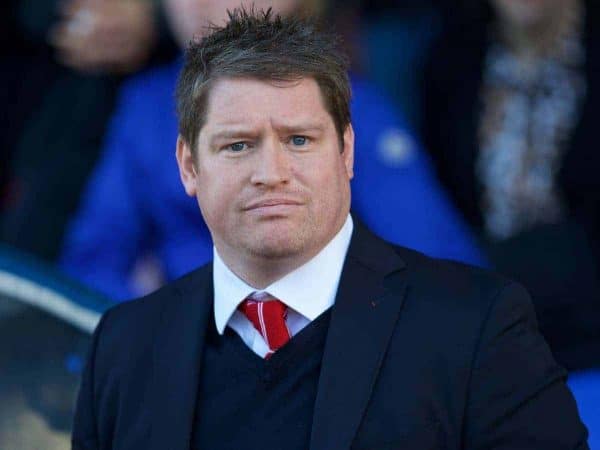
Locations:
{"points": [[245, 102]]}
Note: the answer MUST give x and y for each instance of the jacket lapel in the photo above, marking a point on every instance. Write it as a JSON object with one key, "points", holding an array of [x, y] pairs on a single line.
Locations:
{"points": [[177, 358], [362, 322]]}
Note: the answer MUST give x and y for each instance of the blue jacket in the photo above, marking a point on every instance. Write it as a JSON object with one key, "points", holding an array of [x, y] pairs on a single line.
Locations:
{"points": [[135, 205]]}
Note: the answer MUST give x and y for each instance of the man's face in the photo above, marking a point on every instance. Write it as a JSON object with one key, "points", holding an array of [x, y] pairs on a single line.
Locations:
{"points": [[269, 174], [527, 13]]}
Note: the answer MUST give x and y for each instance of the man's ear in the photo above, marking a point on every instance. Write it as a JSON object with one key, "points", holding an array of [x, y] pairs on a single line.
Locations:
{"points": [[348, 150], [187, 166]]}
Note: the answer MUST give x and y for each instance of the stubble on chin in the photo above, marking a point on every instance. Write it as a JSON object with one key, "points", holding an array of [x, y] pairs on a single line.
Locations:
{"points": [[296, 240], [278, 244]]}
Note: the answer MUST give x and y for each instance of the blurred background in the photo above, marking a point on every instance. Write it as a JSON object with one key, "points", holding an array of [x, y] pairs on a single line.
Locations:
{"points": [[476, 140]]}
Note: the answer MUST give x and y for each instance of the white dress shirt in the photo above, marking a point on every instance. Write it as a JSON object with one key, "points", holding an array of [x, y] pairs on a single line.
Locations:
{"points": [[307, 291]]}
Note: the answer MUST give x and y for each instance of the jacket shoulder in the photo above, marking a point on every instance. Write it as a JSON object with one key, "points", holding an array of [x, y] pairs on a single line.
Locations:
{"points": [[453, 283], [130, 326]]}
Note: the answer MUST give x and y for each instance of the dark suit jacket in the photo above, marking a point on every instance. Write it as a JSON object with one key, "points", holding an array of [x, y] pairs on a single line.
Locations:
{"points": [[420, 354]]}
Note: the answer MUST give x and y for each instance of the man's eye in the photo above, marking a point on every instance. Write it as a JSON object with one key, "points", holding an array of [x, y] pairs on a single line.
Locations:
{"points": [[237, 146], [299, 140]]}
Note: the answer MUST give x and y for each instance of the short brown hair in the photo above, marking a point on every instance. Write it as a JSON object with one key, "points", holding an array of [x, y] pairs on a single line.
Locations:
{"points": [[263, 46]]}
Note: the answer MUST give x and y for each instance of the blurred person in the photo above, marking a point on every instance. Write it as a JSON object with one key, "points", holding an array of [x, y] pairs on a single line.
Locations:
{"points": [[118, 224], [61, 67], [114, 36], [307, 331], [511, 103]]}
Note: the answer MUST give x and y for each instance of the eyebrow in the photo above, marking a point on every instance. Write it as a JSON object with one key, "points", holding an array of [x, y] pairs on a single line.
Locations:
{"points": [[301, 128], [232, 134], [235, 133]]}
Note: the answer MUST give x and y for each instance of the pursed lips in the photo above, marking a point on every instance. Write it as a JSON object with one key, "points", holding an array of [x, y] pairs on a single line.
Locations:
{"points": [[271, 203]]}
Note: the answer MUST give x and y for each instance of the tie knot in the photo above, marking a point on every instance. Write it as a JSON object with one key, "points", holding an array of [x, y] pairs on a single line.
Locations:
{"points": [[267, 315]]}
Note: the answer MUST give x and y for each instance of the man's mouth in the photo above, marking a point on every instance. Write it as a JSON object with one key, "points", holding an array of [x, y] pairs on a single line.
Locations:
{"points": [[273, 205]]}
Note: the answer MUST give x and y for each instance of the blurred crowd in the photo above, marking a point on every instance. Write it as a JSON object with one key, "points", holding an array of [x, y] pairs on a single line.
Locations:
{"points": [[475, 140]]}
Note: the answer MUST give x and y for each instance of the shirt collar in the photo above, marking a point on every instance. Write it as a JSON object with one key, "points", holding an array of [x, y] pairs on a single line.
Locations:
{"points": [[322, 273]]}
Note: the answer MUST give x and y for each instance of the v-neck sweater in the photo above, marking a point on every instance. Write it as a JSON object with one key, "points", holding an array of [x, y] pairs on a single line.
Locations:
{"points": [[247, 402]]}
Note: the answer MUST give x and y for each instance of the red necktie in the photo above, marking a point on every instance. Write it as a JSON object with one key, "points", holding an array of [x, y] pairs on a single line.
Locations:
{"points": [[268, 317]]}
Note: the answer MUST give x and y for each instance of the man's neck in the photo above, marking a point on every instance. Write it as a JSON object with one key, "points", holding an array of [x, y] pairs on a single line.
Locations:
{"points": [[260, 272]]}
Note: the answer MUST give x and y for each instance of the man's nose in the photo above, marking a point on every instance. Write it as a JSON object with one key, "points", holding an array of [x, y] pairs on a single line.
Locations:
{"points": [[273, 164]]}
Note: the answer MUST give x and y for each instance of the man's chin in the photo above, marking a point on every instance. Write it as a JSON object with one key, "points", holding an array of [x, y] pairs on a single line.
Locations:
{"points": [[276, 249], [276, 244]]}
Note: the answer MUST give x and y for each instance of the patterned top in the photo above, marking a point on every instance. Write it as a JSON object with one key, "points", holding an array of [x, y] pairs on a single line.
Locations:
{"points": [[529, 110]]}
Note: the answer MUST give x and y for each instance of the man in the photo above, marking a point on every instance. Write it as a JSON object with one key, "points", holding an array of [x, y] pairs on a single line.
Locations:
{"points": [[119, 226], [307, 331]]}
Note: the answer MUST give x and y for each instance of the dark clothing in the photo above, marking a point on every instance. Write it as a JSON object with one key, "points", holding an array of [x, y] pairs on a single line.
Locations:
{"points": [[53, 131], [54, 155], [420, 354], [245, 401], [558, 263]]}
